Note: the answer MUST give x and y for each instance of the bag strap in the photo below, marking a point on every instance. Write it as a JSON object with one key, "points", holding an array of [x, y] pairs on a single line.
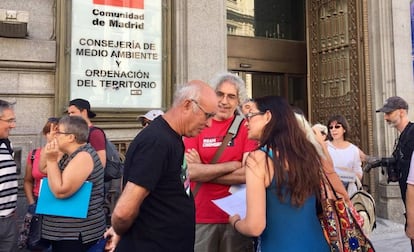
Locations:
{"points": [[231, 132], [358, 184], [32, 157], [328, 192], [92, 128]]}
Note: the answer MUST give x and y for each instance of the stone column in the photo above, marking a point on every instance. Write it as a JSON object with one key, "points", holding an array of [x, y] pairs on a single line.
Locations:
{"points": [[200, 39]]}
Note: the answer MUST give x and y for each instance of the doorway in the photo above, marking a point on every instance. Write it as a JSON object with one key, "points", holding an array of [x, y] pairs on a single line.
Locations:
{"points": [[292, 87], [266, 46]]}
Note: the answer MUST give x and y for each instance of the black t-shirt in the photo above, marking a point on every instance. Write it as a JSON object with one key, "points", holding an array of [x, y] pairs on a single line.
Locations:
{"points": [[166, 219], [402, 153]]}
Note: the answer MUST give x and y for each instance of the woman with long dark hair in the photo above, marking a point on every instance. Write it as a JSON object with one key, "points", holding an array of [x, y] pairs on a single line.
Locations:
{"points": [[282, 181]]}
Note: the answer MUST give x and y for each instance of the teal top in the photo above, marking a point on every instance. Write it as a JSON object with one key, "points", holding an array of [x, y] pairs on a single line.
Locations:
{"points": [[289, 228]]}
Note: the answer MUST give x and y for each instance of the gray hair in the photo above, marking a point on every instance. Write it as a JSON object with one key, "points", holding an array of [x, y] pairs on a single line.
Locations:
{"points": [[5, 105], [186, 92], [77, 126], [236, 81]]}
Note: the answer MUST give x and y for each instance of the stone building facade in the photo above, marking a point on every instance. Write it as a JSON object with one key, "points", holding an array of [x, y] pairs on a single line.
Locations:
{"points": [[200, 43]]}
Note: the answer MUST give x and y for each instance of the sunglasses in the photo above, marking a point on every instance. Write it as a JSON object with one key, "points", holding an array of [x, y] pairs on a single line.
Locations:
{"points": [[336, 127], [146, 123]]}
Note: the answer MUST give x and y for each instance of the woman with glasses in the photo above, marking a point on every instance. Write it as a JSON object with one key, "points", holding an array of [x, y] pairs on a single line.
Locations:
{"points": [[66, 175], [282, 181], [344, 154]]}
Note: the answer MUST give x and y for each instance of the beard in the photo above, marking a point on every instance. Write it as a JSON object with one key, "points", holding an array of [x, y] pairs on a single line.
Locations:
{"points": [[393, 123]]}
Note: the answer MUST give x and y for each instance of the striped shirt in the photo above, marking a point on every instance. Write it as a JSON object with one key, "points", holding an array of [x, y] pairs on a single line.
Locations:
{"points": [[8, 182], [92, 228]]}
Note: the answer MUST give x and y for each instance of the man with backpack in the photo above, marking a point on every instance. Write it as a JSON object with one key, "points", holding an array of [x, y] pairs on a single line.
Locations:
{"points": [[81, 107], [107, 152]]}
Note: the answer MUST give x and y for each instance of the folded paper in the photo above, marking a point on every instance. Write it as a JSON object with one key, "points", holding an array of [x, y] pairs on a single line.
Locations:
{"points": [[75, 206]]}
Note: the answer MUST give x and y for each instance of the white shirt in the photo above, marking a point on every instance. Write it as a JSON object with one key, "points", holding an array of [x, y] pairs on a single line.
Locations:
{"points": [[347, 162]]}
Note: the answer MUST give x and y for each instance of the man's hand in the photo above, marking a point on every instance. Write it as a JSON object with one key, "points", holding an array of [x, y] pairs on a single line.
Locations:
{"points": [[112, 240], [192, 156]]}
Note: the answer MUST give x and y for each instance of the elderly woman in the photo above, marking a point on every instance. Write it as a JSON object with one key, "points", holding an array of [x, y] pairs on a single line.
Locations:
{"points": [[79, 163]]}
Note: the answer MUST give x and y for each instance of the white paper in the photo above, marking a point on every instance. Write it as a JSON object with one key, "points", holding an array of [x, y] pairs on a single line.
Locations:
{"points": [[234, 203]]}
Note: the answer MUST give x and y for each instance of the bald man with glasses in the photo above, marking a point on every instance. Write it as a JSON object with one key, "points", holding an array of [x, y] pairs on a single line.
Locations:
{"points": [[155, 211]]}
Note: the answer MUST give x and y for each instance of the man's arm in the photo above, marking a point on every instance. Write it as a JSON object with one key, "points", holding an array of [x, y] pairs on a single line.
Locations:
{"points": [[127, 207], [226, 173], [209, 172], [98, 142], [102, 157], [236, 177], [409, 201]]}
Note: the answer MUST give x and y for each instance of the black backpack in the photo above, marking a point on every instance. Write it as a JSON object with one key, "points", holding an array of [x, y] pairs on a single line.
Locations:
{"points": [[114, 166]]}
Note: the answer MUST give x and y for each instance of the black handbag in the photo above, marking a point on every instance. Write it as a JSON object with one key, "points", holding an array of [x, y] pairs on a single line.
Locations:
{"points": [[34, 239]]}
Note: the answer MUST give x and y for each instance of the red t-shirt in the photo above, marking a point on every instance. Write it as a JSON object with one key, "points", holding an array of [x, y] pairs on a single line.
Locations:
{"points": [[96, 139], [207, 143]]}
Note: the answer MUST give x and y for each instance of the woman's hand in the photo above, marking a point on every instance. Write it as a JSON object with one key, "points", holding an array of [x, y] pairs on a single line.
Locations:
{"points": [[112, 239], [53, 130], [409, 231], [52, 150], [233, 220], [319, 136]]}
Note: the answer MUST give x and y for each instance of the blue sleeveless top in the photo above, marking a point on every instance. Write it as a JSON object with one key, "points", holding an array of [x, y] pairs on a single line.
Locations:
{"points": [[289, 228]]}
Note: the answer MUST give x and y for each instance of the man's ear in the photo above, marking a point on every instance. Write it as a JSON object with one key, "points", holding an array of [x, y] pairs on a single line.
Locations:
{"points": [[188, 105], [84, 113]]}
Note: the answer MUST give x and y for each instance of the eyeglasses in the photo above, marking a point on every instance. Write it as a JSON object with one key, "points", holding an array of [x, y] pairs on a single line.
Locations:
{"points": [[208, 115], [62, 133], [9, 121], [221, 95], [336, 126], [250, 115]]}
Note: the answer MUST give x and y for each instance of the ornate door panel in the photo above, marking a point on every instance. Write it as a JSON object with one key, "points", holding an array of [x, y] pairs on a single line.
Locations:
{"points": [[337, 67]]}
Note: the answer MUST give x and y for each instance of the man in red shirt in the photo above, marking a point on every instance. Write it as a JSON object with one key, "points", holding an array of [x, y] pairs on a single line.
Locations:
{"points": [[213, 181]]}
